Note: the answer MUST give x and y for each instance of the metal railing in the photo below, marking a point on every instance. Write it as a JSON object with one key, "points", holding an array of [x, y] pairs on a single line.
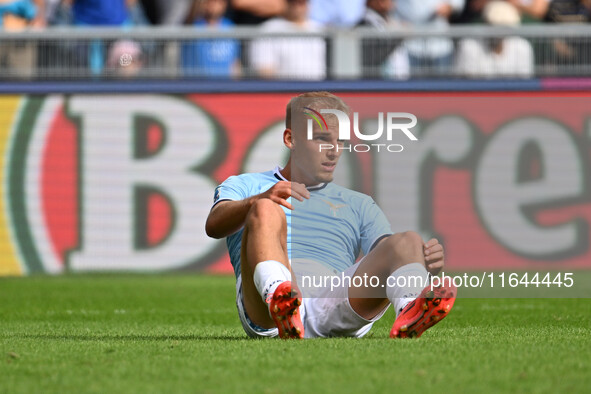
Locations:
{"points": [[472, 51]]}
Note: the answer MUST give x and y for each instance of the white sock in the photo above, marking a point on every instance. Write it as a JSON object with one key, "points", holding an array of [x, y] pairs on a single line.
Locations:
{"points": [[413, 278], [268, 275]]}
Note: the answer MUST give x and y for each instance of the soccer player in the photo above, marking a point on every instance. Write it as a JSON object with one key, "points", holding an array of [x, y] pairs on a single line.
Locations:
{"points": [[284, 224]]}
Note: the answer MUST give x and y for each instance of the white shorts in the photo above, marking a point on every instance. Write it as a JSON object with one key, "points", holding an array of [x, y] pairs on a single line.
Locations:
{"points": [[322, 317]]}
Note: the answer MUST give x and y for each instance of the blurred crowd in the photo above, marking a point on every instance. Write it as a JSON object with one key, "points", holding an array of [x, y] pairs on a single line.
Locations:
{"points": [[303, 57]]}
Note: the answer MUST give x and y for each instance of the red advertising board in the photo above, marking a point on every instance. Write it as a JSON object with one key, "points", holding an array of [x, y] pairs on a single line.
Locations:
{"points": [[125, 182]]}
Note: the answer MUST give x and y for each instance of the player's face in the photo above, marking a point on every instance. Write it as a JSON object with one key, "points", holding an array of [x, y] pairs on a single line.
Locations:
{"points": [[314, 161]]}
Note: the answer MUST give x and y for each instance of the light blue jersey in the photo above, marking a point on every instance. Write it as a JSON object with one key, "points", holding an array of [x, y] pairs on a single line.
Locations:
{"points": [[331, 227]]}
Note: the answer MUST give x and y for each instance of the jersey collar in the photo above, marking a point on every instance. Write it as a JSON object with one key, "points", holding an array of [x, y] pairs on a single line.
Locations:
{"points": [[277, 174]]}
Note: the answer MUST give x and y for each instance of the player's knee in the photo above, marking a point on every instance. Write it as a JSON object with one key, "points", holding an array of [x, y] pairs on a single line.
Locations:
{"points": [[407, 247], [409, 240], [265, 212]]}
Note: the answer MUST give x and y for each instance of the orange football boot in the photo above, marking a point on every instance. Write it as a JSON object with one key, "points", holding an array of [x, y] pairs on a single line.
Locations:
{"points": [[430, 307], [284, 308]]}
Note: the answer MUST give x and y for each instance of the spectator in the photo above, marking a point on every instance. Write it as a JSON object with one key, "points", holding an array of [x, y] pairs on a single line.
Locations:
{"points": [[125, 59], [472, 12], [531, 10], [571, 51], [377, 14], [212, 57], [166, 12], [102, 13], [382, 57], [569, 11], [59, 12], [255, 12], [496, 57], [337, 13], [290, 57], [51, 9], [436, 54], [19, 57], [17, 14]]}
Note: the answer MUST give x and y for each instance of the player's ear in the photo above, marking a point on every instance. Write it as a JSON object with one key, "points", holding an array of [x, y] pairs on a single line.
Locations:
{"points": [[288, 138]]}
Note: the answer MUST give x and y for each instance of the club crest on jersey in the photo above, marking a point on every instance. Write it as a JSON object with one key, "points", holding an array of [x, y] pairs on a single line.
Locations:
{"points": [[334, 207]]}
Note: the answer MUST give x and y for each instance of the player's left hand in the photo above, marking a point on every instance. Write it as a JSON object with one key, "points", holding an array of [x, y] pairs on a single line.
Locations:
{"points": [[433, 252]]}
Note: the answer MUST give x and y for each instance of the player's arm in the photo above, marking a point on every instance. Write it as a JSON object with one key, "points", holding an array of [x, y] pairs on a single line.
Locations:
{"points": [[227, 217]]}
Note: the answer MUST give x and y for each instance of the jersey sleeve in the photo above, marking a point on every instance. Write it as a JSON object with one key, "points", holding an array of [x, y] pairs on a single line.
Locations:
{"points": [[232, 189], [374, 225]]}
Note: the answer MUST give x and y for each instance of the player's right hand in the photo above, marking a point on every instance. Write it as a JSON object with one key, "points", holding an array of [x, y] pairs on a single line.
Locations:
{"points": [[282, 190]]}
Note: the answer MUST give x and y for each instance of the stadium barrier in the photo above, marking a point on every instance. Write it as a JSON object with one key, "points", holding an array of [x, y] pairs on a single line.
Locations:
{"points": [[70, 53], [118, 182]]}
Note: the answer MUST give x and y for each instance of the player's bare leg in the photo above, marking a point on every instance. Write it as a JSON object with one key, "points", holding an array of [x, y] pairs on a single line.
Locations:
{"points": [[390, 254], [400, 254], [265, 240]]}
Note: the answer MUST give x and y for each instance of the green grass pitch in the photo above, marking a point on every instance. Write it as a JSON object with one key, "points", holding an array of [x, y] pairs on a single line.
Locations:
{"points": [[180, 333]]}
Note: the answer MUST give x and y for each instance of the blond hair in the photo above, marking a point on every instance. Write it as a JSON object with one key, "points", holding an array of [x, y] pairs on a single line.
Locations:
{"points": [[315, 100]]}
